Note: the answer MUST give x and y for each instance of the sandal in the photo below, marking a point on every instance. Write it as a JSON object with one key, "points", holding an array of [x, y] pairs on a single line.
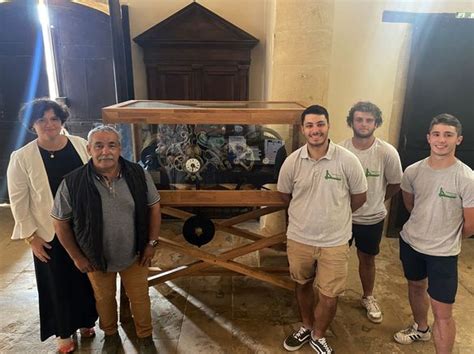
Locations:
{"points": [[87, 332], [66, 346]]}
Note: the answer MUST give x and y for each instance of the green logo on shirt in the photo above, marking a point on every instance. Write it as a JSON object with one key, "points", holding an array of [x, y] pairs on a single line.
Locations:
{"points": [[443, 194], [332, 176], [369, 173]]}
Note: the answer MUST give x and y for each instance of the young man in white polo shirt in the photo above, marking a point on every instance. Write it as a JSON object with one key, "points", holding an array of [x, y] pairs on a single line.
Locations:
{"points": [[324, 183], [383, 170], [439, 194]]}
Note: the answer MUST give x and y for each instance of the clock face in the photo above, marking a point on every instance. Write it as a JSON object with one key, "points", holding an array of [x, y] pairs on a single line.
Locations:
{"points": [[192, 165]]}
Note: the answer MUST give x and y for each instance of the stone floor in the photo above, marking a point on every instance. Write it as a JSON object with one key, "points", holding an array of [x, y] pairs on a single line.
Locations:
{"points": [[232, 314]]}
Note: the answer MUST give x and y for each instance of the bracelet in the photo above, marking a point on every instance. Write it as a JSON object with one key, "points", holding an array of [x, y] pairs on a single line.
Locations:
{"points": [[28, 240]]}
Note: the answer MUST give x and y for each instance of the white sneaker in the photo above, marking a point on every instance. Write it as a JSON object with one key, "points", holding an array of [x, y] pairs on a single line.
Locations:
{"points": [[374, 313], [412, 334]]}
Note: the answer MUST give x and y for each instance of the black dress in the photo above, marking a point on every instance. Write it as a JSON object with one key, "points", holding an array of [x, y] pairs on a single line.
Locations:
{"points": [[66, 299]]}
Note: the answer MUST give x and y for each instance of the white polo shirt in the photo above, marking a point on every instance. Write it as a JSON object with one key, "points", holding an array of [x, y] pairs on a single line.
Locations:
{"points": [[320, 209], [382, 166], [436, 221]]}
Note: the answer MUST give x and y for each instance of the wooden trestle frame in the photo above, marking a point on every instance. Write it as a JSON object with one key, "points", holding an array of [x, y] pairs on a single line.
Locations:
{"points": [[268, 201]]}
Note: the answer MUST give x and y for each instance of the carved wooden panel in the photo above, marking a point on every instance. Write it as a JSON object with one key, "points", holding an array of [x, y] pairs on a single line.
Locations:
{"points": [[197, 55]]}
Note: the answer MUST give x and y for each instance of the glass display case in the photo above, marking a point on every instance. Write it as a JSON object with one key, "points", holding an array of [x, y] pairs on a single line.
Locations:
{"points": [[210, 146]]}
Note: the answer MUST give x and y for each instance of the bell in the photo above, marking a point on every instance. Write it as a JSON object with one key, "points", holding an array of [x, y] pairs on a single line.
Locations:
{"points": [[198, 230]]}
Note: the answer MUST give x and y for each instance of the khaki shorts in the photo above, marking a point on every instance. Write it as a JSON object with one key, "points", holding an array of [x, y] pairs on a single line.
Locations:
{"points": [[327, 267]]}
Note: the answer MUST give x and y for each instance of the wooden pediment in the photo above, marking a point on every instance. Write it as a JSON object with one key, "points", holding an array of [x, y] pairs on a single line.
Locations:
{"points": [[194, 24]]}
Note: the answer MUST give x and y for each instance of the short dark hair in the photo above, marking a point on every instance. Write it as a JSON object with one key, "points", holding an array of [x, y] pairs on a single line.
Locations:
{"points": [[447, 119], [368, 107], [31, 111], [315, 109]]}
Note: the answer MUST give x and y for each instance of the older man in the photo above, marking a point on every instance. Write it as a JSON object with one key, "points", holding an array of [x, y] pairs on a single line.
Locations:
{"points": [[107, 216]]}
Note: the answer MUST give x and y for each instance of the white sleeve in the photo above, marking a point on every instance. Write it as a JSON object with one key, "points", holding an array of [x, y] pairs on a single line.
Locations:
{"points": [[393, 166], [467, 190], [406, 184], [355, 175], [285, 177], [19, 193]]}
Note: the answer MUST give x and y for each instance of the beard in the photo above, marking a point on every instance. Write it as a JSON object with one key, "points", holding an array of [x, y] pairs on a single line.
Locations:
{"points": [[358, 134]]}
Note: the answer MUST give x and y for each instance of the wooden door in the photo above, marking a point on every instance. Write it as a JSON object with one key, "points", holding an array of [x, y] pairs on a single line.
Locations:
{"points": [[172, 82], [82, 42], [440, 80], [220, 83], [22, 75]]}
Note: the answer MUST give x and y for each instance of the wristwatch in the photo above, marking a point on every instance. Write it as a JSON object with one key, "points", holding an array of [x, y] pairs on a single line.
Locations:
{"points": [[153, 243]]}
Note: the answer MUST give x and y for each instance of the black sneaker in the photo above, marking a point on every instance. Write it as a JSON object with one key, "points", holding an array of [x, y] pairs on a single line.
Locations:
{"points": [[297, 339], [320, 346], [146, 346], [112, 343]]}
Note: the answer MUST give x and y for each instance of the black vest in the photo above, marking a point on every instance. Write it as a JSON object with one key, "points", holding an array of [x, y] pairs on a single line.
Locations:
{"points": [[87, 209]]}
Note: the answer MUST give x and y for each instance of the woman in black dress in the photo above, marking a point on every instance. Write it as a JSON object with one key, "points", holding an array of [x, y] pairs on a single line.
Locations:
{"points": [[66, 299]]}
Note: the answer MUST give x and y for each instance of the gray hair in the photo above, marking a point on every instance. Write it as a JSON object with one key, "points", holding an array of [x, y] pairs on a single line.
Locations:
{"points": [[104, 128]]}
